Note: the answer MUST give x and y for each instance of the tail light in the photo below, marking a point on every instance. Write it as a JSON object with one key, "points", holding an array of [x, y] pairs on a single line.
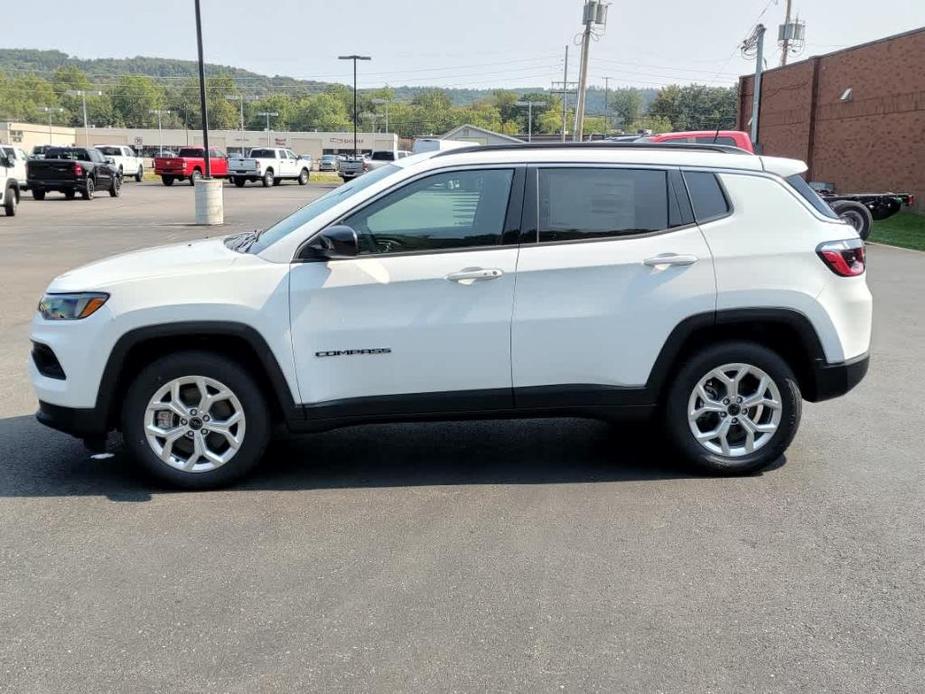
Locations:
{"points": [[844, 258], [78, 170]]}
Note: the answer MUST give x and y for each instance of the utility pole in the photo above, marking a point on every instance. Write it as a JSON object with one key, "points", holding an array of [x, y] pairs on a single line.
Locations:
{"points": [[786, 47], [758, 37], [202, 96], [607, 119], [268, 114], [82, 93], [160, 133], [595, 13], [529, 105], [564, 95], [354, 58]]}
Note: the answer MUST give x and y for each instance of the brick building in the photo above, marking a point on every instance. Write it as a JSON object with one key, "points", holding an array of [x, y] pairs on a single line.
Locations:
{"points": [[871, 138]]}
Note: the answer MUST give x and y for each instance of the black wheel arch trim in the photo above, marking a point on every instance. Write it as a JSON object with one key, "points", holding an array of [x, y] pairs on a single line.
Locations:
{"points": [[112, 373]]}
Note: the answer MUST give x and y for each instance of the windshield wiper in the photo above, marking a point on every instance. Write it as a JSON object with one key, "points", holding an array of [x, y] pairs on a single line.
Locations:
{"points": [[241, 242]]}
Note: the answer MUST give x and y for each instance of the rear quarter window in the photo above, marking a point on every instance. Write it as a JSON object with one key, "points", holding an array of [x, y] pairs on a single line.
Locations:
{"points": [[799, 184], [707, 196]]}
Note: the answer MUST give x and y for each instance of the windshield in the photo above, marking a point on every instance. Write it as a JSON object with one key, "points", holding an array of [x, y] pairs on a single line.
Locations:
{"points": [[286, 226], [812, 197]]}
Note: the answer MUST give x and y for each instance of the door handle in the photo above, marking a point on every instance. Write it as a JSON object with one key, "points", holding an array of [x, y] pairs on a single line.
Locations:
{"points": [[474, 274], [670, 259]]}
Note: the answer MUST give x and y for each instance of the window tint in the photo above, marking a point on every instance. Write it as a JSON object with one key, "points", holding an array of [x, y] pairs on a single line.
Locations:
{"points": [[191, 152], [812, 197], [263, 154], [706, 195], [383, 156], [111, 151], [595, 203], [68, 153], [449, 210]]}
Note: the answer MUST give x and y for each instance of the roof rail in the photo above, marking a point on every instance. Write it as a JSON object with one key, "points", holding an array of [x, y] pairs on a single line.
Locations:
{"points": [[597, 144]]}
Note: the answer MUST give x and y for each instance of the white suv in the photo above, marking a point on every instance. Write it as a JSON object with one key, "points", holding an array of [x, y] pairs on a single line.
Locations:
{"points": [[706, 286]]}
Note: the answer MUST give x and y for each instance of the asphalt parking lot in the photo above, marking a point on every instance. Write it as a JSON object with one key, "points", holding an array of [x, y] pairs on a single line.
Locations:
{"points": [[533, 556]]}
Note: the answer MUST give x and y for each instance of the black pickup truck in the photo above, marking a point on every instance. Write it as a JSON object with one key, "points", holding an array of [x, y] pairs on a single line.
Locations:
{"points": [[72, 170]]}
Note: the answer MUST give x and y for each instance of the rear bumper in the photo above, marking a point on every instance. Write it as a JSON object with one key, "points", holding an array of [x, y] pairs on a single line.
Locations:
{"points": [[833, 380]]}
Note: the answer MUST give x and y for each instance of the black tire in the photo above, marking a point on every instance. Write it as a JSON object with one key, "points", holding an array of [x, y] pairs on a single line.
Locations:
{"points": [[239, 182], [38, 194], [88, 190], [70, 194], [115, 187], [277, 181], [682, 387], [268, 178], [303, 177], [195, 176], [11, 199], [167, 180], [856, 214], [140, 174], [210, 365]]}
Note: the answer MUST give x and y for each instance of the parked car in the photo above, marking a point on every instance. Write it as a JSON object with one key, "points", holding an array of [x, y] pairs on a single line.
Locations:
{"points": [[648, 282], [72, 170], [271, 165], [9, 184], [352, 167], [18, 160], [125, 159], [328, 162], [734, 138], [189, 164], [38, 152], [380, 158]]}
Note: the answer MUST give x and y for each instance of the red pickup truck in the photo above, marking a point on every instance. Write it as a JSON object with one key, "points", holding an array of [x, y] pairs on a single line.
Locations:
{"points": [[190, 164], [736, 138]]}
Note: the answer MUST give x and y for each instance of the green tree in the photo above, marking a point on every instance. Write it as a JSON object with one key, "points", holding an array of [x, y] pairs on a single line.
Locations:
{"points": [[323, 112], [626, 105], [696, 106], [133, 98]]}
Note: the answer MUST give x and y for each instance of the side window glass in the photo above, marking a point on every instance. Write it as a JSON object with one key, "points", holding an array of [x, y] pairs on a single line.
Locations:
{"points": [[457, 209], [576, 203], [707, 196]]}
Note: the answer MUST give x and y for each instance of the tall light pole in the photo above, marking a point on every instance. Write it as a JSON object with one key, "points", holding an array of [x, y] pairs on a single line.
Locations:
{"points": [[202, 95], [82, 93], [529, 105], [268, 114], [755, 43], [386, 102], [160, 133], [354, 58], [607, 121], [50, 110]]}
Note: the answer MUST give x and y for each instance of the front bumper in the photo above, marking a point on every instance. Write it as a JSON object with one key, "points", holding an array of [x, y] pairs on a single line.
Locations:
{"points": [[84, 423], [832, 380]]}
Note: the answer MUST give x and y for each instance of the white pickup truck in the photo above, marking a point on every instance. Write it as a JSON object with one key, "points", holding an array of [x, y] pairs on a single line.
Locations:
{"points": [[270, 165], [18, 160], [9, 185], [124, 159]]}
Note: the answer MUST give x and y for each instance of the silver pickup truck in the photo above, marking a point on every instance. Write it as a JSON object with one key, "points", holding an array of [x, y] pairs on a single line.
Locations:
{"points": [[350, 168], [270, 166]]}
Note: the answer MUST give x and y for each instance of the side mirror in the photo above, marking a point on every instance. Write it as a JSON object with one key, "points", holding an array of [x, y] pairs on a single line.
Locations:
{"points": [[110, 160], [339, 241]]}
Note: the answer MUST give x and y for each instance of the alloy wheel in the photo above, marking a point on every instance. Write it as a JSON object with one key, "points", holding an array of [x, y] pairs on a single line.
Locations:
{"points": [[734, 410], [195, 424]]}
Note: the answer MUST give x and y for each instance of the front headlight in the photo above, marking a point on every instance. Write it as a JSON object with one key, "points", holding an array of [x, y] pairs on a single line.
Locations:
{"points": [[71, 306]]}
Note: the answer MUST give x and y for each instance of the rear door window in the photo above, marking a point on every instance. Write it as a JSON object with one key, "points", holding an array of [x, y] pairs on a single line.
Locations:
{"points": [[588, 203]]}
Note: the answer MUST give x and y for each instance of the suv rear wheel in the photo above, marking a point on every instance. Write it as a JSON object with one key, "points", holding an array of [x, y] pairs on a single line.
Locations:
{"points": [[196, 420], [733, 408]]}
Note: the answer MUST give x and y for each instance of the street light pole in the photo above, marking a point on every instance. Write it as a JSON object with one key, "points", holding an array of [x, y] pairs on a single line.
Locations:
{"points": [[354, 58], [202, 95], [529, 105], [82, 93], [268, 114], [160, 133], [49, 110]]}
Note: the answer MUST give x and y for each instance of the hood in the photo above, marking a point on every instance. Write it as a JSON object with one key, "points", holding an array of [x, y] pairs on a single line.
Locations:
{"points": [[163, 261]]}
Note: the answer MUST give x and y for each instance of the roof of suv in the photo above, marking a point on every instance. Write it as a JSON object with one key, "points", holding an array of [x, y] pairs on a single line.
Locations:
{"points": [[665, 154]]}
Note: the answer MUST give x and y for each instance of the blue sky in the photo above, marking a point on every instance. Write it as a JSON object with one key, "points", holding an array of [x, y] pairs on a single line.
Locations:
{"points": [[450, 43]]}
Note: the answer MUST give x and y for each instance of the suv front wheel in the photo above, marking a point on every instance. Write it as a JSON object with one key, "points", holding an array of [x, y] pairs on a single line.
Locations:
{"points": [[733, 408], [196, 420]]}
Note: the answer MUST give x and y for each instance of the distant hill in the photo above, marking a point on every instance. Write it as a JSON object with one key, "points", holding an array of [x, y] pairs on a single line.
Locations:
{"points": [[18, 61]]}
